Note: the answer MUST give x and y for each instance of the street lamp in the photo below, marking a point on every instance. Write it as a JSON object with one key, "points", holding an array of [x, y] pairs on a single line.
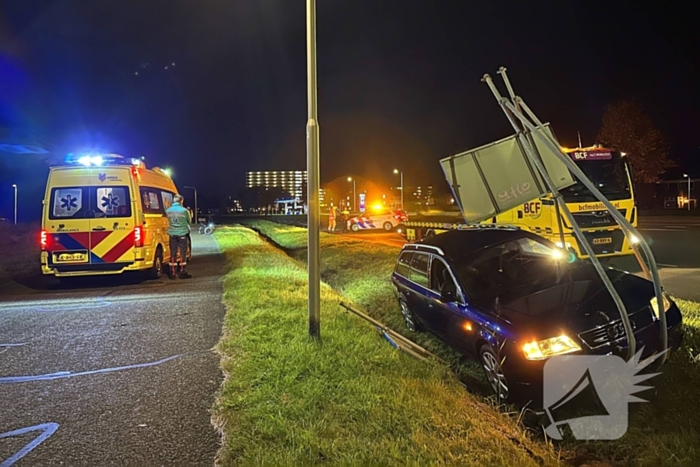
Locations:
{"points": [[354, 191], [15, 187], [314, 178], [396, 171], [688, 177], [196, 205]]}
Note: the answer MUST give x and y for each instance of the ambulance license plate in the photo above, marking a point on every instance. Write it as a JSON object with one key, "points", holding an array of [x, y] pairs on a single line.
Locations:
{"points": [[70, 257], [602, 241]]}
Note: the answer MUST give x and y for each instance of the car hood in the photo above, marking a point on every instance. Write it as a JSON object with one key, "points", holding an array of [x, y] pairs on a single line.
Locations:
{"points": [[577, 302]]}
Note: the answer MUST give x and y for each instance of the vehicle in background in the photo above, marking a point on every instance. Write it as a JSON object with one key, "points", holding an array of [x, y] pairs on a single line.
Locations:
{"points": [[384, 218], [608, 169], [105, 214], [514, 299]]}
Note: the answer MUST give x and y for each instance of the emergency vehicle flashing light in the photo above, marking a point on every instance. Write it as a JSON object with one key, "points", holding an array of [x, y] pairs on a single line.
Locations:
{"points": [[101, 160]]}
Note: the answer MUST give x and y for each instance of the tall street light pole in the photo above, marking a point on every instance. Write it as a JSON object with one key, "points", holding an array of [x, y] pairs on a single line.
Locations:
{"points": [[396, 171], [196, 205], [354, 193], [314, 179], [15, 187], [688, 176]]}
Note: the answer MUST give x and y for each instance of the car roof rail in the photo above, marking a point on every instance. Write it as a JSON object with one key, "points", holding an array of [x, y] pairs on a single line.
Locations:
{"points": [[490, 226], [416, 246]]}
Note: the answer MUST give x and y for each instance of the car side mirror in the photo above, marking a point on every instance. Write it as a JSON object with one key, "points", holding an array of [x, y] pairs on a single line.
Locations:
{"points": [[447, 296]]}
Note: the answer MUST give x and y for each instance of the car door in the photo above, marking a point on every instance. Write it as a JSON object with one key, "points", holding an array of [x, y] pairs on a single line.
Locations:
{"points": [[425, 305], [448, 315], [112, 223], [67, 224]]}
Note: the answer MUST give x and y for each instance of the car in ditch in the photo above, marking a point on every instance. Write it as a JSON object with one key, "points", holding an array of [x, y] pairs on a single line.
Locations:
{"points": [[513, 300]]}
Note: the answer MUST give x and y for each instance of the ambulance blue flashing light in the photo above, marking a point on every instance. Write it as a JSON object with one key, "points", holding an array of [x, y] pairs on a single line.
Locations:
{"points": [[98, 160]]}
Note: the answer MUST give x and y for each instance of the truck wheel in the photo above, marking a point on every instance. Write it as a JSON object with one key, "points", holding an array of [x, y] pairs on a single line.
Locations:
{"points": [[156, 270], [388, 226]]}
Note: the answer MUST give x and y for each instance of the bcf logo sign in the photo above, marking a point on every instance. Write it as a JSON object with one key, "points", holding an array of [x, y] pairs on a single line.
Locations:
{"points": [[533, 209]]}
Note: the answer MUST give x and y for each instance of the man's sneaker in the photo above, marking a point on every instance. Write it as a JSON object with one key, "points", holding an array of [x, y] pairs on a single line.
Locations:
{"points": [[185, 275]]}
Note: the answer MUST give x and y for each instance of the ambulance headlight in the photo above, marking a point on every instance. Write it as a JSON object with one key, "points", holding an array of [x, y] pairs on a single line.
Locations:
{"points": [[566, 246]]}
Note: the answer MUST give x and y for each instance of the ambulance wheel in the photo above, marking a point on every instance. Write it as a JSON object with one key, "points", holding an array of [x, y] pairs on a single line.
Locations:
{"points": [[355, 228], [430, 234], [388, 226], [156, 270]]}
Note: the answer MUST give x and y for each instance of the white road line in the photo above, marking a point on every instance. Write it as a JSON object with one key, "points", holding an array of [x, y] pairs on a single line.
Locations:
{"points": [[666, 265]]}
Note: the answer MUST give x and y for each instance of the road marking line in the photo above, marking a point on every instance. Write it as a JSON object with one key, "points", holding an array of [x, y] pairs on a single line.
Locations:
{"points": [[666, 265], [68, 374], [47, 429]]}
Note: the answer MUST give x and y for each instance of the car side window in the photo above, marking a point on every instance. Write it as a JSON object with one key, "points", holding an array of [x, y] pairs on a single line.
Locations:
{"points": [[419, 269], [440, 278], [404, 264]]}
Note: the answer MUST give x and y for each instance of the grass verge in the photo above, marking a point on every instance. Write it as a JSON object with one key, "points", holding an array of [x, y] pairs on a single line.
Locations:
{"points": [[19, 251], [351, 399], [665, 431]]}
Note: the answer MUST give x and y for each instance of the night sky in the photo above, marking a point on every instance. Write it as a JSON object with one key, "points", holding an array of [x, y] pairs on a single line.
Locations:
{"points": [[399, 81]]}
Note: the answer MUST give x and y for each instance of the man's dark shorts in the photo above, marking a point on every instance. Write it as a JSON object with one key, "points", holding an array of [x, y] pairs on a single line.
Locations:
{"points": [[178, 243]]}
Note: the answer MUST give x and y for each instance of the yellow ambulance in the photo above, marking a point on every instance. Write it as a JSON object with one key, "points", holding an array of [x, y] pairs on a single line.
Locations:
{"points": [[105, 214]]}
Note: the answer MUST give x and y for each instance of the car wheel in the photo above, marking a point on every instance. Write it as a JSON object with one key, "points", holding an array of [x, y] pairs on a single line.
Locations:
{"points": [[430, 234], [156, 270], [494, 372], [408, 317], [388, 226], [355, 228], [201, 229], [208, 230]]}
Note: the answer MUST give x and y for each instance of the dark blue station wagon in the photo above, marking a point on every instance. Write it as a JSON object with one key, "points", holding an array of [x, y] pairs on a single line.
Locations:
{"points": [[509, 296]]}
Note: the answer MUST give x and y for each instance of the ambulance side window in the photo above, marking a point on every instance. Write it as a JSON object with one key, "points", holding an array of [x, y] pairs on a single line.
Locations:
{"points": [[66, 203], [167, 199], [150, 201]]}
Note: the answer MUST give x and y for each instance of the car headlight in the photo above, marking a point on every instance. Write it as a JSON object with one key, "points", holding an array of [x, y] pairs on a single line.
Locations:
{"points": [[655, 305], [566, 246], [540, 350]]}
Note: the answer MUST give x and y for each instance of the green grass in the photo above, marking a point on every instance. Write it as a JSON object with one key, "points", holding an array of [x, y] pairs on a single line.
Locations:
{"points": [[350, 399], [665, 431], [19, 251]]}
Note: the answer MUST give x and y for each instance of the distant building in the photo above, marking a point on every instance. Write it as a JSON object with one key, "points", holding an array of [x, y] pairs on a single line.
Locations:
{"points": [[292, 181]]}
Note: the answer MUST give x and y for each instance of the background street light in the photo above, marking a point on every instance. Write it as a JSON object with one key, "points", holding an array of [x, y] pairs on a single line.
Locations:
{"points": [[354, 191], [196, 206], [396, 171], [688, 176], [15, 187]]}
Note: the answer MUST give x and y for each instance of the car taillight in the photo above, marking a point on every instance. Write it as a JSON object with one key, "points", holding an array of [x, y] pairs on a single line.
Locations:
{"points": [[138, 237], [44, 240]]}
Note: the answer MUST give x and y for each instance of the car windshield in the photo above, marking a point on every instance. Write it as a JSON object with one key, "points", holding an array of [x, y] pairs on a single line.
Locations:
{"points": [[609, 176], [511, 270]]}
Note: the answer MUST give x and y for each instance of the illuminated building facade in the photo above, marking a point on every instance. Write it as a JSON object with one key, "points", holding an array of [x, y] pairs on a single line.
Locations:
{"points": [[292, 181]]}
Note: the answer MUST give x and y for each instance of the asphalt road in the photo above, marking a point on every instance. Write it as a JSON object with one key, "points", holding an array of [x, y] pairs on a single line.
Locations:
{"points": [[113, 371], [674, 242]]}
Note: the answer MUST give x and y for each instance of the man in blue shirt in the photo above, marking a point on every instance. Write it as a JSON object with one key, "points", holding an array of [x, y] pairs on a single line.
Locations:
{"points": [[179, 232]]}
